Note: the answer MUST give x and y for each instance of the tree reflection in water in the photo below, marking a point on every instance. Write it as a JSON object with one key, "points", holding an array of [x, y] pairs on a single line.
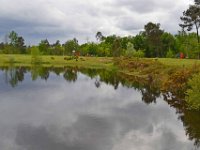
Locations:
{"points": [[150, 92], [70, 74], [189, 118], [39, 71], [14, 75]]}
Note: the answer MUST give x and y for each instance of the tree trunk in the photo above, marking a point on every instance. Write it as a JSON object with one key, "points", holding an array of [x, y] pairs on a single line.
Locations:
{"points": [[198, 35], [197, 29], [197, 32]]}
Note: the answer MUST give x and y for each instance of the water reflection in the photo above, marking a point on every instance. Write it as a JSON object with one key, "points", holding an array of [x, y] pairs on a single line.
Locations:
{"points": [[94, 109], [70, 74], [13, 75], [39, 71], [190, 119]]}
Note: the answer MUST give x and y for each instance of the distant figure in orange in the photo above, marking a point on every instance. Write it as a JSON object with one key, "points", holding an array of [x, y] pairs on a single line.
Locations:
{"points": [[182, 55]]}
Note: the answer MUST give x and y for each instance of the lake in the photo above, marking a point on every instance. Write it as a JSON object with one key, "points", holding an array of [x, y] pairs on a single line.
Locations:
{"points": [[85, 109]]}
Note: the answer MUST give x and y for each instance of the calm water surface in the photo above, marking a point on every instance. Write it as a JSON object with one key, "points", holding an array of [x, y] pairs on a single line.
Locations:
{"points": [[67, 109]]}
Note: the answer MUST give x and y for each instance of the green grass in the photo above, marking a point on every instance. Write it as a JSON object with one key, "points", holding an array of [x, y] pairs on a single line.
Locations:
{"points": [[173, 62], [25, 60], [57, 61]]}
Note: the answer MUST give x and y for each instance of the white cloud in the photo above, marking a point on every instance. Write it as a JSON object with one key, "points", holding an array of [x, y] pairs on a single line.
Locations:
{"points": [[65, 19]]}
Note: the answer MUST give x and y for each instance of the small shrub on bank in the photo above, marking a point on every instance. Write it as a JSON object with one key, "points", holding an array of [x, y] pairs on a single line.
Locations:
{"points": [[176, 83], [134, 53], [193, 94], [35, 55], [11, 60], [170, 54]]}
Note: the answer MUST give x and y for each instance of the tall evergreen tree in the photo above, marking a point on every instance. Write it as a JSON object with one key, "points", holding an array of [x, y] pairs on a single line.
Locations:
{"points": [[191, 18]]}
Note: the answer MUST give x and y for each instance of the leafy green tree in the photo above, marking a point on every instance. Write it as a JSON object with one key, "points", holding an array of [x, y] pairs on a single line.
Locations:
{"points": [[13, 36], [8, 49], [70, 46], [92, 49], [168, 43], [139, 42], [153, 35], [192, 48], [102, 52], [187, 43], [116, 48], [2, 45], [125, 40], [17, 43], [21, 45], [139, 54], [182, 43], [103, 49], [130, 46], [110, 39], [57, 49], [130, 50], [84, 49], [44, 47]]}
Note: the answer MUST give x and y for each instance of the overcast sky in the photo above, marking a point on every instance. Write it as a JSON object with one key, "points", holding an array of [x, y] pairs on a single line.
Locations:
{"points": [[66, 19]]}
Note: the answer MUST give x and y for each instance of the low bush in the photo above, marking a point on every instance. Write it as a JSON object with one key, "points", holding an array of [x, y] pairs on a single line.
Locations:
{"points": [[193, 93]]}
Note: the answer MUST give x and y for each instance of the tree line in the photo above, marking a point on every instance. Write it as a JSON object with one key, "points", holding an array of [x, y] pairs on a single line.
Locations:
{"points": [[151, 42]]}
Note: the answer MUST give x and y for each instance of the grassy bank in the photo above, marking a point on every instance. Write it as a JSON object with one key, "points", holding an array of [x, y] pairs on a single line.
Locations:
{"points": [[171, 62], [152, 66], [171, 76], [26, 60], [57, 61]]}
